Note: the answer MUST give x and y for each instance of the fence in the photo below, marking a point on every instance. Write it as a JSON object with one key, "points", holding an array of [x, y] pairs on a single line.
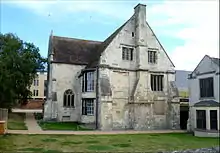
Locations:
{"points": [[4, 116]]}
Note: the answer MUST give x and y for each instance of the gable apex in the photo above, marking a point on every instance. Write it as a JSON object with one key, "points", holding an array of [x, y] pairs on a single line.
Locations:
{"points": [[160, 44]]}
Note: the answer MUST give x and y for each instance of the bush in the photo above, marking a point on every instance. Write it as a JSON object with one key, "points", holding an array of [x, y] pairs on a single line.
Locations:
{"points": [[38, 116]]}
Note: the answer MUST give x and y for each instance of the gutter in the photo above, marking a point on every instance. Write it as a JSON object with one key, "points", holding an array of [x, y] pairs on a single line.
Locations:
{"points": [[97, 97]]}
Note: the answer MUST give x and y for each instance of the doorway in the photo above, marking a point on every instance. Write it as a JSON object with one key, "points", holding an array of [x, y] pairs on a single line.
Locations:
{"points": [[184, 115]]}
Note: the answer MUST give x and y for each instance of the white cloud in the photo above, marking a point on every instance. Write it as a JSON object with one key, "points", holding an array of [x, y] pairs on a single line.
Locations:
{"points": [[200, 31], [194, 22]]}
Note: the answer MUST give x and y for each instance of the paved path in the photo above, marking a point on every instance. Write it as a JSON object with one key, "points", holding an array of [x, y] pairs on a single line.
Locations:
{"points": [[31, 123], [33, 128], [93, 132], [18, 110]]}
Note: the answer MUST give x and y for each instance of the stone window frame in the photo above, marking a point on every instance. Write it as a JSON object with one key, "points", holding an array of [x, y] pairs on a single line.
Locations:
{"points": [[152, 56], [157, 88], [207, 110], [127, 53], [88, 81], [88, 106], [68, 98]]}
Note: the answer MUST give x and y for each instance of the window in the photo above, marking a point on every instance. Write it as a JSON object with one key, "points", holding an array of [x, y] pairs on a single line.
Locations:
{"points": [[88, 106], [45, 87], [127, 53], [152, 57], [36, 82], [132, 34], [68, 98], [201, 119], [156, 82], [88, 82], [206, 87], [213, 120], [35, 93]]}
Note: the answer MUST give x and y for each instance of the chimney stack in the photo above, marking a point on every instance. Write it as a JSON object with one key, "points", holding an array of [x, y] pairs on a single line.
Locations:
{"points": [[140, 13], [140, 35]]}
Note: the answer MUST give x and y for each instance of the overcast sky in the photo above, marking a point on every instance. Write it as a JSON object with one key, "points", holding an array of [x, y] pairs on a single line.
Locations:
{"points": [[188, 29]]}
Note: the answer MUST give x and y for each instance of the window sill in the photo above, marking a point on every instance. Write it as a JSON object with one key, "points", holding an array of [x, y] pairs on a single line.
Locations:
{"points": [[205, 130], [158, 91], [152, 63], [88, 91], [68, 107], [88, 115], [203, 98]]}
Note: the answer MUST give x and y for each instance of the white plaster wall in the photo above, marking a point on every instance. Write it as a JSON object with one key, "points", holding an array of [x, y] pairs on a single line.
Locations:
{"points": [[207, 109], [194, 89]]}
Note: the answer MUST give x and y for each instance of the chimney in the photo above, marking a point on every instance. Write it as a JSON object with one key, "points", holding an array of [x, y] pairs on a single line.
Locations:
{"points": [[140, 22], [140, 13], [140, 35]]}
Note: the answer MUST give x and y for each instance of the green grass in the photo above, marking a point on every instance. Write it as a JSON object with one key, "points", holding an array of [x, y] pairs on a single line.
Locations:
{"points": [[112, 143], [16, 121], [62, 126]]}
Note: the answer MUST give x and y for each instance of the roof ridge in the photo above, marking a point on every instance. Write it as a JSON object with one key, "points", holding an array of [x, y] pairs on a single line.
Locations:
{"points": [[78, 39]]}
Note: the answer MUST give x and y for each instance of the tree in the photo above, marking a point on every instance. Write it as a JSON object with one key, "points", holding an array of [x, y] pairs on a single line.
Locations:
{"points": [[19, 63]]}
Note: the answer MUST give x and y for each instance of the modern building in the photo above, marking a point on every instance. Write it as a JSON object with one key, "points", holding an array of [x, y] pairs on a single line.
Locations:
{"points": [[204, 98], [39, 86]]}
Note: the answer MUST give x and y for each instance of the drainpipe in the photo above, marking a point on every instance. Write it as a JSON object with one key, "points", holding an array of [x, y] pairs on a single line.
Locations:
{"points": [[97, 97]]}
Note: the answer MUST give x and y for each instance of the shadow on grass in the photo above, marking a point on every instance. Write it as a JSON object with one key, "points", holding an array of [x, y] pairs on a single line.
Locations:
{"points": [[123, 145], [93, 141], [71, 142], [42, 150], [49, 140], [99, 147]]}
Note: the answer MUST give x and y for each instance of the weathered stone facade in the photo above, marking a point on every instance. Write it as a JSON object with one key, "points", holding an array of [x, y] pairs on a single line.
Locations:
{"points": [[123, 95]]}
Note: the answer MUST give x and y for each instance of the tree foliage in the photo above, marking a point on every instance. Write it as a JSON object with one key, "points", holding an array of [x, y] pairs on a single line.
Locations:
{"points": [[19, 63]]}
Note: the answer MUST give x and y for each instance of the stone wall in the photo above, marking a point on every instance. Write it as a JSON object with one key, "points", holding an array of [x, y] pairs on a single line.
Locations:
{"points": [[147, 110]]}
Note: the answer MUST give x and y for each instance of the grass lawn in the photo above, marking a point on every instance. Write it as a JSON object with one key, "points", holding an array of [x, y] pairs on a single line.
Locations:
{"points": [[62, 126], [16, 121], [107, 143]]}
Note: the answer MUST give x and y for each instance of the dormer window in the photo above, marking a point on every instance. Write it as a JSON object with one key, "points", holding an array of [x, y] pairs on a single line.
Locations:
{"points": [[152, 57], [127, 53]]}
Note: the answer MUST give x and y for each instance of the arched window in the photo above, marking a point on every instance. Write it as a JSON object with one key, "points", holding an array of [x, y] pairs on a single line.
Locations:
{"points": [[68, 98]]}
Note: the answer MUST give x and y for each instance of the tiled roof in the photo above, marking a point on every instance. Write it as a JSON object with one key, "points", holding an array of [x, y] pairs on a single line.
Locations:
{"points": [[216, 60], [73, 51], [207, 103], [78, 51]]}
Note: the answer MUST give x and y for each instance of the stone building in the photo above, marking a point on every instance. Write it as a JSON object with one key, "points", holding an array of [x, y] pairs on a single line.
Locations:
{"points": [[204, 98], [124, 82]]}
